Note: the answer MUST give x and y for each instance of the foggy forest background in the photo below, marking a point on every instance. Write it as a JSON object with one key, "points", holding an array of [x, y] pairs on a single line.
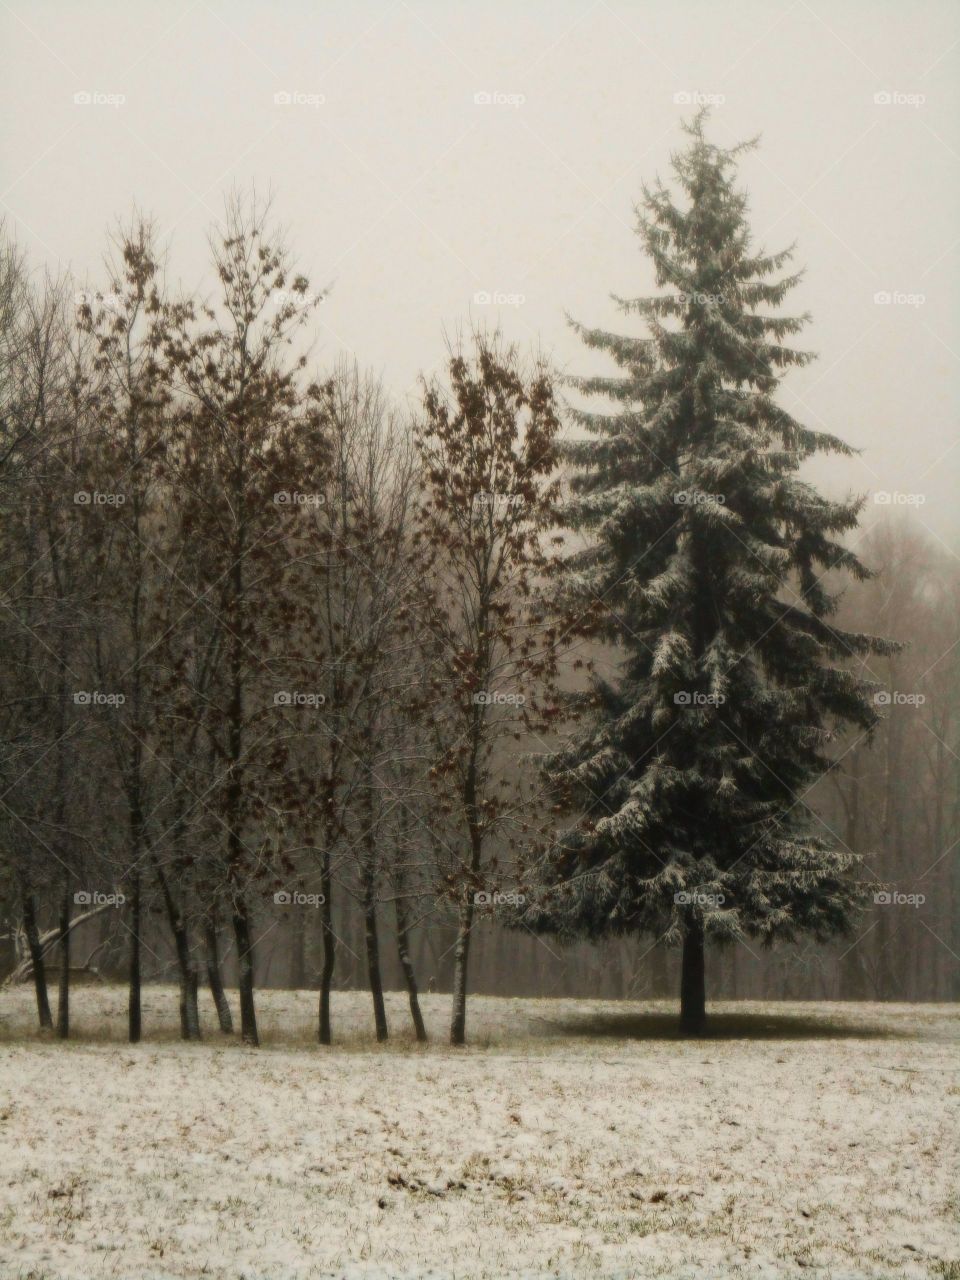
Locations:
{"points": [[120, 500]]}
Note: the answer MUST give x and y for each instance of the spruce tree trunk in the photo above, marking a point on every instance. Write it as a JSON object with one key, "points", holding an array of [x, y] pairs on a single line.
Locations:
{"points": [[63, 944], [693, 1003], [248, 1009], [36, 960], [134, 1017], [214, 977], [406, 964], [461, 956], [324, 1033]]}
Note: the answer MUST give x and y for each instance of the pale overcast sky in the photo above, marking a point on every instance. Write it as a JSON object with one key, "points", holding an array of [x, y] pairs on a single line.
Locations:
{"points": [[411, 198]]}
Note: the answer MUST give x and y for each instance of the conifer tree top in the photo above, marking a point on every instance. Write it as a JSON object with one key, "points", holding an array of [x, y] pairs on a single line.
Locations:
{"points": [[705, 561]]}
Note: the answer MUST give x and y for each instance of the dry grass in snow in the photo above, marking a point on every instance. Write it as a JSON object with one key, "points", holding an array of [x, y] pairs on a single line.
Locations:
{"points": [[572, 1139]]}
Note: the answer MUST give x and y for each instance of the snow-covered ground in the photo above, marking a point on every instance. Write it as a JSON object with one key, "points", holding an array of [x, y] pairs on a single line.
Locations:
{"points": [[572, 1139]]}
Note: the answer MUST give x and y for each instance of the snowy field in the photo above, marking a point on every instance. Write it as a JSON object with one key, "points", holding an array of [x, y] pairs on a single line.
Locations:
{"points": [[572, 1139]]}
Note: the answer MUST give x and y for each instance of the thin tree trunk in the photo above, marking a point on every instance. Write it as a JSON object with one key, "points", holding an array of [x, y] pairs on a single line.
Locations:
{"points": [[214, 977], [324, 1033], [36, 959], [248, 1009], [461, 956], [134, 1017], [461, 952], [372, 943], [63, 995], [693, 1010], [406, 964], [189, 1012]]}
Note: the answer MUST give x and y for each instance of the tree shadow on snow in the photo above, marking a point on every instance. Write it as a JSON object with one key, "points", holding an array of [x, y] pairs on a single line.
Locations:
{"points": [[734, 1026]]}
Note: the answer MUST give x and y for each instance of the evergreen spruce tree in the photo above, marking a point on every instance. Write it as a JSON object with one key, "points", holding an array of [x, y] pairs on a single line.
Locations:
{"points": [[707, 550]]}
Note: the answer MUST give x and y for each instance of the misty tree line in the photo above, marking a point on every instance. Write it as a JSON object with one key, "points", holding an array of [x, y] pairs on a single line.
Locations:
{"points": [[284, 667], [263, 641]]}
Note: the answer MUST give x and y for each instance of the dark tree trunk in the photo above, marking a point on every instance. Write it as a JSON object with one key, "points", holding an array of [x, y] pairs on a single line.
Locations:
{"points": [[36, 960], [248, 1009], [189, 1012], [214, 977], [406, 964], [461, 950], [63, 943], [324, 1032], [461, 956], [134, 1019], [372, 945], [693, 1001]]}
